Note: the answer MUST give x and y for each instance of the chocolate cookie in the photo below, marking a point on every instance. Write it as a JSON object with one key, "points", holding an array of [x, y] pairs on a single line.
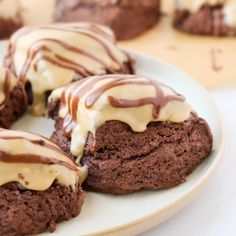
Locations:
{"points": [[15, 14], [55, 55], [10, 19], [8, 27], [27, 212], [128, 18], [216, 19], [121, 161], [13, 98], [133, 133], [39, 184]]}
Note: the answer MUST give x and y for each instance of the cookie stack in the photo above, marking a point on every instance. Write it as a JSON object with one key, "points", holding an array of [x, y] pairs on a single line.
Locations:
{"points": [[115, 132]]}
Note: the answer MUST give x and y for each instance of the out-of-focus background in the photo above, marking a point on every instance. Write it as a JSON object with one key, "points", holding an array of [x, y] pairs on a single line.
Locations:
{"points": [[196, 55]]}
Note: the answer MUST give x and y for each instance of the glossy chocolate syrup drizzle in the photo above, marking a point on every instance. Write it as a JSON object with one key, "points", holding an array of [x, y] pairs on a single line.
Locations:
{"points": [[34, 158], [73, 5], [59, 60], [77, 92], [6, 89]]}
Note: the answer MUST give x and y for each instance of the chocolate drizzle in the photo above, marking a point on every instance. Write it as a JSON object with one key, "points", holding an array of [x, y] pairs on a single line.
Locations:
{"points": [[40, 142], [59, 60], [34, 158], [91, 30], [76, 91], [73, 5]]}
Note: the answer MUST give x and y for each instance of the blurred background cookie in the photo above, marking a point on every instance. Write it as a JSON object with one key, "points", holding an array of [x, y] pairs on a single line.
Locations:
{"points": [[207, 17], [17, 13], [127, 18]]}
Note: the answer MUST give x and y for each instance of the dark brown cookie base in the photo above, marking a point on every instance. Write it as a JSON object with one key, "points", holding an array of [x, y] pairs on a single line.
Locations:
{"points": [[207, 21], [8, 27], [121, 161], [25, 212], [127, 18], [15, 106]]}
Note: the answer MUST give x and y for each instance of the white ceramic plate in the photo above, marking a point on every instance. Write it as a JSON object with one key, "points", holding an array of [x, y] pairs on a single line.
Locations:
{"points": [[129, 215]]}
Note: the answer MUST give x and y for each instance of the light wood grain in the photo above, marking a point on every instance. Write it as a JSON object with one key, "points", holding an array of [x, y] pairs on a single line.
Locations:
{"points": [[192, 54]]}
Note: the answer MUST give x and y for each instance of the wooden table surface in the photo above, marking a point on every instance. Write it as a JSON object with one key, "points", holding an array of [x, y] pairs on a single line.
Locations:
{"points": [[210, 60]]}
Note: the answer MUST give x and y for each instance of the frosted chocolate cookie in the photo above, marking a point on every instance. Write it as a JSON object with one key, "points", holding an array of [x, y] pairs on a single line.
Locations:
{"points": [[13, 98], [133, 133], [52, 56], [17, 13], [39, 184], [10, 19], [127, 18], [206, 17]]}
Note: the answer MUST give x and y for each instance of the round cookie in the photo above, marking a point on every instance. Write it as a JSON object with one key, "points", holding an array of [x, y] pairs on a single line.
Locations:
{"points": [[15, 14], [127, 18], [207, 17], [51, 56], [39, 184], [133, 133], [13, 98], [10, 19]]}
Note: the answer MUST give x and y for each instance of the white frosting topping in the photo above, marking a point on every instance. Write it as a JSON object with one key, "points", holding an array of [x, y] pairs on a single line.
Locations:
{"points": [[31, 8], [229, 8], [9, 9], [52, 56], [17, 152], [230, 13], [27, 11], [7, 83], [83, 112]]}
